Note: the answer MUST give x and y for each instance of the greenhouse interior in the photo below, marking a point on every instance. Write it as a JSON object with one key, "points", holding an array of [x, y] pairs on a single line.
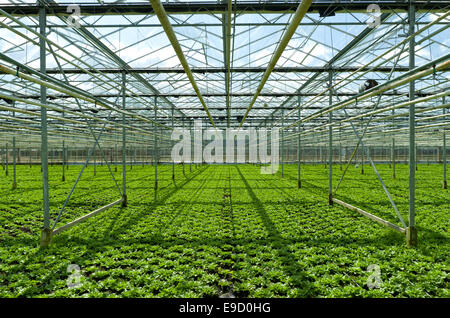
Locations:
{"points": [[224, 149]]}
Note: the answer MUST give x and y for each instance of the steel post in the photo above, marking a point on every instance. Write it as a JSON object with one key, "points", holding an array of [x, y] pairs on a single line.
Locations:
{"points": [[155, 147], [124, 149], [340, 147], [411, 231], [14, 185], [393, 158], [7, 159], [330, 144], [270, 142], [182, 163], [192, 146], [393, 147], [282, 143], [95, 159], [299, 179], [63, 162], [46, 232], [444, 153], [173, 162]]}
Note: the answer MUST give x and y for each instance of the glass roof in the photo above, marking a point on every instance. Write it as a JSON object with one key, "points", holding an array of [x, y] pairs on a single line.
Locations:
{"points": [[93, 57]]}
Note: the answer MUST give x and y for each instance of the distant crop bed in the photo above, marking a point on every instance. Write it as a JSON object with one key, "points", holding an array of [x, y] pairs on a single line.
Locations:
{"points": [[224, 229]]}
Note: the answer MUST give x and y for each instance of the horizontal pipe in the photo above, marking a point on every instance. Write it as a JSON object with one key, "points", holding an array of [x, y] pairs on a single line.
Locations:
{"points": [[288, 33], [61, 110], [391, 49], [206, 70], [108, 81], [377, 91], [85, 217], [187, 95], [165, 23], [90, 99], [371, 216]]}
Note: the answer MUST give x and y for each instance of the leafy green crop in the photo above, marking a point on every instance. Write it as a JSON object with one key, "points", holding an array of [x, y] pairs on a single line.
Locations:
{"points": [[221, 229]]}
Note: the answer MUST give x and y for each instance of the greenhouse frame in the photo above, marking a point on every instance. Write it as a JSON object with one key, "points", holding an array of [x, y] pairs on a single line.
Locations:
{"points": [[102, 86]]}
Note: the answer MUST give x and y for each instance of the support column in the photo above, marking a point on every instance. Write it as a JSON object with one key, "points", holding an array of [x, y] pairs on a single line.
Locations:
{"points": [[393, 147], [7, 160], [340, 147], [63, 162], [444, 153], [330, 144], [411, 231], [155, 148], [182, 162], [14, 185], [173, 162], [282, 142], [393, 158], [298, 147], [46, 234], [192, 145], [124, 139]]}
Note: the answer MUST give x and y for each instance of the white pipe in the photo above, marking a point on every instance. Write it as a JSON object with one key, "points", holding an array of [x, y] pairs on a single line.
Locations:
{"points": [[298, 16]]}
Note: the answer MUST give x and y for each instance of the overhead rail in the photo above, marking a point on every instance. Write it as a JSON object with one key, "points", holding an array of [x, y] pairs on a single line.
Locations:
{"points": [[107, 80], [296, 19], [417, 73], [205, 70], [91, 38], [162, 16], [74, 92], [51, 106], [391, 49]]}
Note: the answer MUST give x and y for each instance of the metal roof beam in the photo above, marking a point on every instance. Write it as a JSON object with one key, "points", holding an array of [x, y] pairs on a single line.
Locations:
{"points": [[338, 55], [213, 7], [108, 52], [277, 95], [203, 70], [164, 19], [288, 33]]}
